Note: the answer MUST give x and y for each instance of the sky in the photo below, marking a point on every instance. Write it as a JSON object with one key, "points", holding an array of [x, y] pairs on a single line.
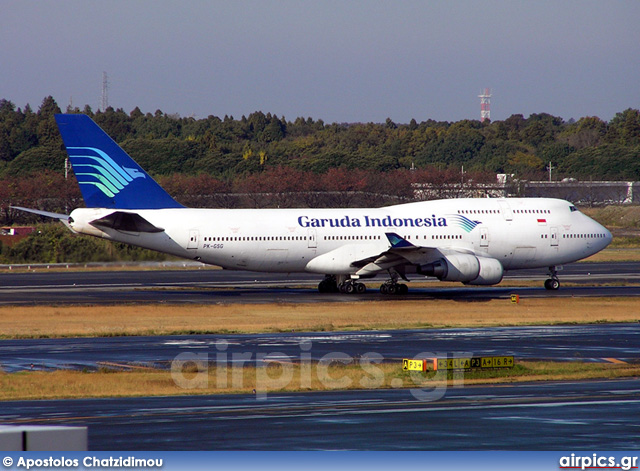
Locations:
{"points": [[339, 61]]}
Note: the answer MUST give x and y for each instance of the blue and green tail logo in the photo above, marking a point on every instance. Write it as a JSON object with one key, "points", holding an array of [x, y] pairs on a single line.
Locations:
{"points": [[464, 222], [100, 170]]}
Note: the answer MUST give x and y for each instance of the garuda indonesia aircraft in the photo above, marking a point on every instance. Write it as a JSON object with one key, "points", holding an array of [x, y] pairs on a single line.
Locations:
{"points": [[473, 241]]}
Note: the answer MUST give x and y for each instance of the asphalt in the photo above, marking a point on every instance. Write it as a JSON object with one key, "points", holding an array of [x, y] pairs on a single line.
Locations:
{"points": [[592, 343], [594, 415], [530, 416], [207, 286]]}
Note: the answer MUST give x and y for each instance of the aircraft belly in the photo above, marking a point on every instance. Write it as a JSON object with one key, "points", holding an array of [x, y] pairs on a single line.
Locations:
{"points": [[271, 260], [523, 255]]}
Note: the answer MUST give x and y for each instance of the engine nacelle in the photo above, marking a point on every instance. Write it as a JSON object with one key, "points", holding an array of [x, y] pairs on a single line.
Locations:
{"points": [[456, 267], [466, 268], [491, 272]]}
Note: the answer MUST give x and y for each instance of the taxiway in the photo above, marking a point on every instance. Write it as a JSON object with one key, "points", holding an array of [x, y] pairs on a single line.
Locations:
{"points": [[594, 415], [207, 286]]}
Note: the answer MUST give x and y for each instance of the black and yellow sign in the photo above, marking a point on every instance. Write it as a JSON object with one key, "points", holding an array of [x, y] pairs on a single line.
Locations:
{"points": [[515, 298], [414, 365], [474, 362]]}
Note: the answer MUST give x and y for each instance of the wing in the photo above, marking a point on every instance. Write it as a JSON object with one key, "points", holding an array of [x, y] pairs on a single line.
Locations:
{"points": [[365, 260], [400, 252]]}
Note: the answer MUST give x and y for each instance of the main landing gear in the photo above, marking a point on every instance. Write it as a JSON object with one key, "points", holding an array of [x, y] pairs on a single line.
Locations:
{"points": [[552, 283], [392, 286], [331, 284], [348, 285], [328, 285]]}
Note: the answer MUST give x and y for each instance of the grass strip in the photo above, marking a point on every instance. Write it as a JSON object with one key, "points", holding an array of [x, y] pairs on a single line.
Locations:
{"points": [[283, 378], [161, 319]]}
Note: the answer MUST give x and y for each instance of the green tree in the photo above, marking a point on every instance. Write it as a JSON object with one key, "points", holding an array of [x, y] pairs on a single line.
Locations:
{"points": [[624, 128]]}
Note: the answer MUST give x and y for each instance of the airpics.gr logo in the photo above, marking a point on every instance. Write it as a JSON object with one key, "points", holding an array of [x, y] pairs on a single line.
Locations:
{"points": [[464, 222], [101, 171]]}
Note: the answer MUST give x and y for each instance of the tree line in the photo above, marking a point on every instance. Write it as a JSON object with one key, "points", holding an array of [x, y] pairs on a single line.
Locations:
{"points": [[201, 160]]}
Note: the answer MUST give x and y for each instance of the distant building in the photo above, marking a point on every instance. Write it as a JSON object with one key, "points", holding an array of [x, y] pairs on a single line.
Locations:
{"points": [[570, 189], [580, 192], [17, 230], [10, 235]]}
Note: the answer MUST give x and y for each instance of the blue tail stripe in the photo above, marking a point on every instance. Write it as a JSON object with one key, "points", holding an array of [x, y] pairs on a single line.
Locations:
{"points": [[101, 173], [102, 188], [75, 160], [106, 160], [100, 179]]}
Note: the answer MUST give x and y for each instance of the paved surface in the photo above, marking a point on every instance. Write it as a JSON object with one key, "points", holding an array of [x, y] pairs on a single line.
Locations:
{"points": [[220, 286], [541, 416], [559, 343], [594, 415]]}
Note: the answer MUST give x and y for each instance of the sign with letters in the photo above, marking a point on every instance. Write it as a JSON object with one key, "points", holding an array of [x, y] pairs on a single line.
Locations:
{"points": [[474, 362]]}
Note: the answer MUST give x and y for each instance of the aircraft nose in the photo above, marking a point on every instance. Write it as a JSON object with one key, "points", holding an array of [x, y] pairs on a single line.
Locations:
{"points": [[608, 236], [606, 240]]}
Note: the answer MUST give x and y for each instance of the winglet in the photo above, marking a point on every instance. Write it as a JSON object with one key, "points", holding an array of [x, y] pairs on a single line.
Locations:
{"points": [[107, 176], [398, 242]]}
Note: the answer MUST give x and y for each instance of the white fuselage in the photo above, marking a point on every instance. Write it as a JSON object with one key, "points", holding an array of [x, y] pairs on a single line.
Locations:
{"points": [[518, 232]]}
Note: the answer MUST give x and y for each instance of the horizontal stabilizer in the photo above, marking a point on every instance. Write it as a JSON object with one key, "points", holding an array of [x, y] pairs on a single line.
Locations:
{"points": [[127, 222], [43, 213]]}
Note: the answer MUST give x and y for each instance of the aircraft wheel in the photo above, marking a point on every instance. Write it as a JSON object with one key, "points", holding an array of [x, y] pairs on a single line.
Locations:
{"points": [[552, 284], [392, 289], [403, 289], [360, 288], [349, 288], [384, 289]]}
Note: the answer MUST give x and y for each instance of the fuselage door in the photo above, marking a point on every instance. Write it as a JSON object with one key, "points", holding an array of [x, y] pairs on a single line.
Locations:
{"points": [[505, 209], [193, 239], [484, 237], [312, 238], [554, 237]]}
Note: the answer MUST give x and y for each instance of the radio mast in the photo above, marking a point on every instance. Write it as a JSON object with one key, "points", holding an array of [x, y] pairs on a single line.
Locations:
{"points": [[104, 104], [485, 105]]}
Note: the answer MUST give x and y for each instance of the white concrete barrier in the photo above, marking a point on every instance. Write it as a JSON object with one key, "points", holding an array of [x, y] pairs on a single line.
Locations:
{"points": [[42, 438]]}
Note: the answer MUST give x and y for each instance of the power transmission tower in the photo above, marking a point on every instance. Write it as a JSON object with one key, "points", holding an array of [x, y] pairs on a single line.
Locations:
{"points": [[485, 105], [104, 104]]}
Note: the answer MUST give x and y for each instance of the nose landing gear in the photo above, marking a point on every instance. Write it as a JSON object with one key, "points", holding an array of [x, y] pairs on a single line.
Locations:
{"points": [[552, 283]]}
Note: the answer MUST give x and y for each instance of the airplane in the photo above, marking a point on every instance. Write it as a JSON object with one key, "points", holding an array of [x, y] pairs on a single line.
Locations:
{"points": [[469, 240]]}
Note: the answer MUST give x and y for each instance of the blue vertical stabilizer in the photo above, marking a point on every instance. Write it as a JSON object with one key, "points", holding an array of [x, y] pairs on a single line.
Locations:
{"points": [[107, 176]]}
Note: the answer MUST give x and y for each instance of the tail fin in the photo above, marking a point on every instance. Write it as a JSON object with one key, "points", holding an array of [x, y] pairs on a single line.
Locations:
{"points": [[107, 176]]}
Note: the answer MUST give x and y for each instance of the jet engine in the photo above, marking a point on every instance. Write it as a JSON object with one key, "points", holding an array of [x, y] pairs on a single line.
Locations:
{"points": [[466, 268]]}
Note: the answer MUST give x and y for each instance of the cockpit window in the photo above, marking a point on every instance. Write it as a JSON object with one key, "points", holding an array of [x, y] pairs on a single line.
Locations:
{"points": [[573, 209]]}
